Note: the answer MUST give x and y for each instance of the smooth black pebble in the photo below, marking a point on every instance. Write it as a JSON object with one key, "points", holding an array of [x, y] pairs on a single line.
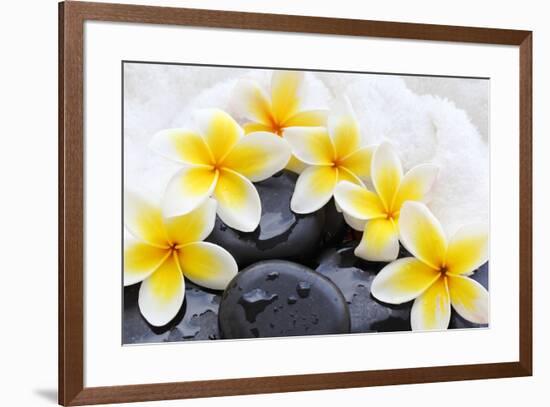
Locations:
{"points": [[276, 298], [482, 277], [197, 319], [354, 277], [335, 229], [281, 234]]}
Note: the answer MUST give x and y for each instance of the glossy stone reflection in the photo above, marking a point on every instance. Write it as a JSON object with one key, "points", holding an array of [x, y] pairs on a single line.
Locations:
{"points": [[281, 233], [335, 229], [197, 319], [297, 301], [354, 277]]}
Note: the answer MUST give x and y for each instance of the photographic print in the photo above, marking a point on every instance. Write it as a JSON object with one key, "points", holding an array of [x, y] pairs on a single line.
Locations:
{"points": [[261, 202]]}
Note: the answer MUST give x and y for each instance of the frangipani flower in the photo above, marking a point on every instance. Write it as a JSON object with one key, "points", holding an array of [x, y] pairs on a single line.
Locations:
{"points": [[219, 162], [333, 154], [164, 250], [377, 213], [278, 111], [437, 276]]}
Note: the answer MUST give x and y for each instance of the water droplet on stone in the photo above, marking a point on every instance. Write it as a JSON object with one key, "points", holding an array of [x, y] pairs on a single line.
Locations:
{"points": [[272, 276], [290, 313], [303, 289], [255, 301]]}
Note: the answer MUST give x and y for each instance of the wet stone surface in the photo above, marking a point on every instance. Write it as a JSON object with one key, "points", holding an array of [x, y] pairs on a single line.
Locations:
{"points": [[197, 319], [335, 229], [457, 322], [354, 277], [281, 234], [279, 298]]}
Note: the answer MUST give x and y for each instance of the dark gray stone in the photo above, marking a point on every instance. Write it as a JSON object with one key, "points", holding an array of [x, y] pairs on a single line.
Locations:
{"points": [[197, 319], [335, 229], [281, 234], [276, 298], [354, 277]]}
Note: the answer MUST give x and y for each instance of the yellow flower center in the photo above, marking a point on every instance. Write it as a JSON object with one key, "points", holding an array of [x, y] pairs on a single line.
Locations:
{"points": [[392, 215], [276, 127]]}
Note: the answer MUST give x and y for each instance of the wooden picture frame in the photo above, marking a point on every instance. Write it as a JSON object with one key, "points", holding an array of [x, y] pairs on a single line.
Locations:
{"points": [[72, 16]]}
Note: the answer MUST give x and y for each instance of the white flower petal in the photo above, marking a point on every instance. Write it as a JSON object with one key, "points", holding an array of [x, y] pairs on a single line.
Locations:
{"points": [[307, 118], [379, 242], [314, 189], [346, 175], [239, 204], [141, 260], [311, 145], [422, 234], [161, 295], [343, 128], [354, 223], [193, 226], [258, 156], [416, 184], [359, 162], [144, 220], [432, 310], [188, 189], [296, 165], [358, 202], [207, 265], [219, 131], [183, 146], [253, 127], [469, 298], [285, 94], [250, 101], [468, 249], [403, 280], [386, 173]]}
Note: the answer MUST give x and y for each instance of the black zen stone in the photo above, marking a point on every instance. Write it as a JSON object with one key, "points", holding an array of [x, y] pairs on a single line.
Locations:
{"points": [[335, 229], [482, 277], [280, 298], [354, 277], [281, 234], [197, 319]]}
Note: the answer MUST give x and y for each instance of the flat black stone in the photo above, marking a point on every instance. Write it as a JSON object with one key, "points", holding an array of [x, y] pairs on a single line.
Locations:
{"points": [[281, 234], [482, 277], [354, 277], [197, 319], [274, 298]]}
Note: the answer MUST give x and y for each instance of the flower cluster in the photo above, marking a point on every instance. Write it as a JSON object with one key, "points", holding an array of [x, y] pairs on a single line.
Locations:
{"points": [[221, 160], [163, 250]]}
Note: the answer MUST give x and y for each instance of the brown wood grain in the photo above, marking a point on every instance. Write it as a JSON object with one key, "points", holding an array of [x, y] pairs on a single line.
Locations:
{"points": [[71, 186], [526, 203], [72, 16]]}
